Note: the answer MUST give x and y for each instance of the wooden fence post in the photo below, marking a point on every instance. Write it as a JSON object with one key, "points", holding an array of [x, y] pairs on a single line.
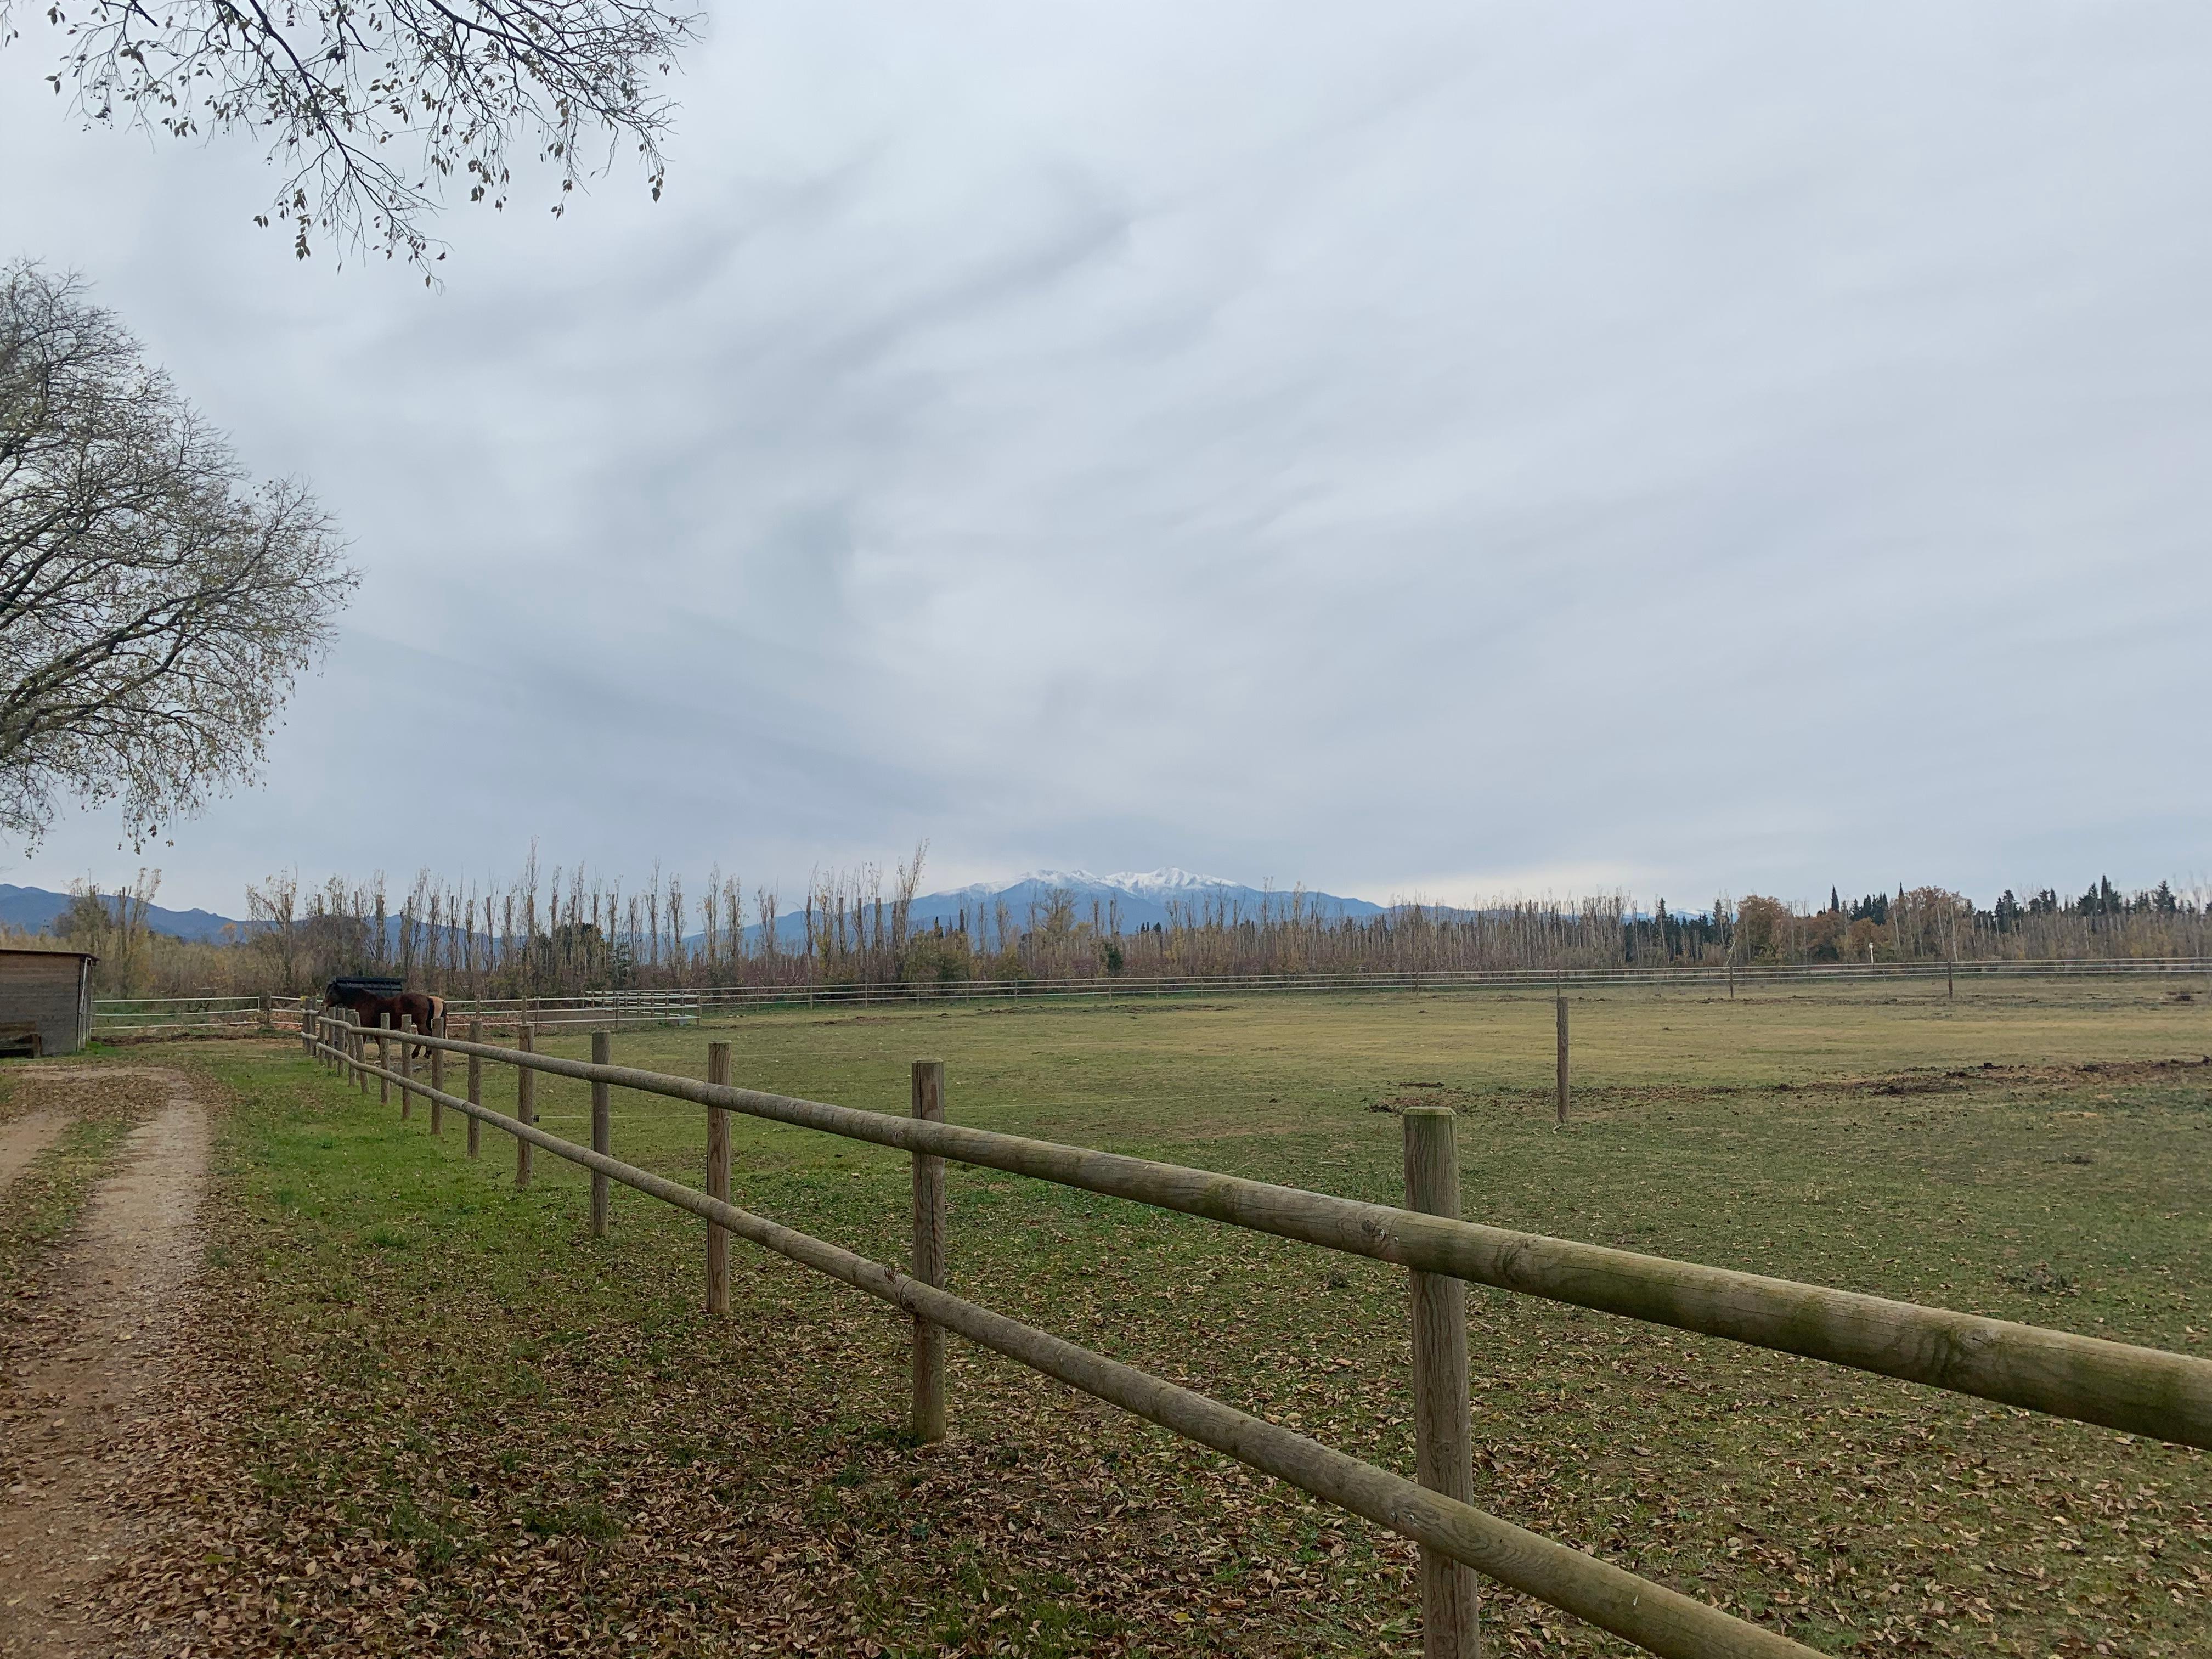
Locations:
{"points": [[602, 1129], [928, 1424], [406, 1071], [438, 1079], [383, 1060], [357, 1047], [526, 1104], [718, 1182], [1443, 1453], [476, 1088], [1562, 1063], [268, 1012]]}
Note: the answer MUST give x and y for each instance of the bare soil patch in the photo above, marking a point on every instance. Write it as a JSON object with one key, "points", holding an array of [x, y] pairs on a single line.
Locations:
{"points": [[1988, 1077], [23, 1138], [88, 1365]]}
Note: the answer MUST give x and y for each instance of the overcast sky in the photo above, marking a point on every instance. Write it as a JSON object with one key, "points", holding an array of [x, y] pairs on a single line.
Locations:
{"points": [[1438, 449]]}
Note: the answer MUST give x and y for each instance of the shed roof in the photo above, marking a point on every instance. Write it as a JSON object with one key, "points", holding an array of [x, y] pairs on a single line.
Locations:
{"points": [[29, 951]]}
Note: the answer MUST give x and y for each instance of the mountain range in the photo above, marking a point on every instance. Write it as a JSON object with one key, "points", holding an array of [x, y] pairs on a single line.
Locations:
{"points": [[35, 910], [1139, 899]]}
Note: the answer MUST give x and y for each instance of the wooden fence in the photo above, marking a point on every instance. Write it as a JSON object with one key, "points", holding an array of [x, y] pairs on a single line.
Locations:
{"points": [[687, 1004], [2145, 1391], [147, 1017], [120, 1017]]}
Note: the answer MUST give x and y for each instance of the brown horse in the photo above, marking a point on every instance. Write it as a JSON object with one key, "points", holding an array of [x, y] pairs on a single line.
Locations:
{"points": [[368, 1002]]}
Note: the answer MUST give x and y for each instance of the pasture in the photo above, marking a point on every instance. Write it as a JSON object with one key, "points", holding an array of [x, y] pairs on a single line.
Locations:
{"points": [[455, 1423]]}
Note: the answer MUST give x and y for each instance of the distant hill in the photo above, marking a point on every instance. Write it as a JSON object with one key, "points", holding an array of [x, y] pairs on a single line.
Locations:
{"points": [[1141, 899], [35, 910]]}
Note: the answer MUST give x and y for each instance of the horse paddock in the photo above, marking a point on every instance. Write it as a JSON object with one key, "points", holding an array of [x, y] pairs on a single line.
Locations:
{"points": [[450, 1419]]}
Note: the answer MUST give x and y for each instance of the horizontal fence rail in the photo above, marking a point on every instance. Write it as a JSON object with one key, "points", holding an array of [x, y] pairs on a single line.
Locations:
{"points": [[2138, 1390], [130, 1016], [149, 1016], [687, 1004], [593, 1008], [1655, 1617]]}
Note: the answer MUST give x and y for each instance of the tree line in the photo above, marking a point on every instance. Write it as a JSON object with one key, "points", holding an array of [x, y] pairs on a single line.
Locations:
{"points": [[561, 931]]}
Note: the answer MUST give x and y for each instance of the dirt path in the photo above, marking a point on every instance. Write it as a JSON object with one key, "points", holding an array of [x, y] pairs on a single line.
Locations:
{"points": [[92, 1374], [23, 1139]]}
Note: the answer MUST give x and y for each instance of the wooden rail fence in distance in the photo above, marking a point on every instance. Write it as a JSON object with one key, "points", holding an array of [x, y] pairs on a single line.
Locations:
{"points": [[120, 1017], [689, 1004]]}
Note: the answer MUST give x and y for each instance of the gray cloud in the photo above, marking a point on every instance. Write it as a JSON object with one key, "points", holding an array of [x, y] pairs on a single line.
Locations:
{"points": [[1432, 450]]}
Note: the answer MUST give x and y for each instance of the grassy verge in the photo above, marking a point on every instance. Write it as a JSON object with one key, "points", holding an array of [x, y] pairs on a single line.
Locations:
{"points": [[460, 1424]]}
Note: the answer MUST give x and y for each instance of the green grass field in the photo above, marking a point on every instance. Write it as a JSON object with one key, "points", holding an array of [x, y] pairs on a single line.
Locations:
{"points": [[498, 1434]]}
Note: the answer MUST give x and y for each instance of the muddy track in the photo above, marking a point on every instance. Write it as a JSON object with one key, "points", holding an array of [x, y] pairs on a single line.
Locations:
{"points": [[90, 1376]]}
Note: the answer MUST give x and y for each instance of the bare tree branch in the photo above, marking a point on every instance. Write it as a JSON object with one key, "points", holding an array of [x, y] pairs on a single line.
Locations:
{"points": [[371, 106], [155, 605]]}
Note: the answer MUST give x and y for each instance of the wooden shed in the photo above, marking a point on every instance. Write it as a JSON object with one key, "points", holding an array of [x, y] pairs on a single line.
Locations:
{"points": [[46, 1002]]}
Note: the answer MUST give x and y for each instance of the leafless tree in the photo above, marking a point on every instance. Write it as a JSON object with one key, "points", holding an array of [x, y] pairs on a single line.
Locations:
{"points": [[112, 926], [156, 605], [278, 934], [370, 106]]}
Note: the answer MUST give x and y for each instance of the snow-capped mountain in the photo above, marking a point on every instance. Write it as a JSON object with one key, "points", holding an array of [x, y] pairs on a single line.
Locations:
{"points": [[1171, 883], [1131, 899], [1138, 899]]}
